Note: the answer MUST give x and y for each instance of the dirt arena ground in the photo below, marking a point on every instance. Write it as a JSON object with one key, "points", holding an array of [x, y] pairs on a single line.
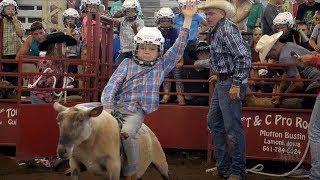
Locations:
{"points": [[183, 165]]}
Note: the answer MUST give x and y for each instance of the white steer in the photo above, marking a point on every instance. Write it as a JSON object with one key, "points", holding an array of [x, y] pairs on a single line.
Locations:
{"points": [[91, 136]]}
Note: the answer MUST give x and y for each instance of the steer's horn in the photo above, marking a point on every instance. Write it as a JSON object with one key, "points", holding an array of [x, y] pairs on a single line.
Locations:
{"points": [[58, 107]]}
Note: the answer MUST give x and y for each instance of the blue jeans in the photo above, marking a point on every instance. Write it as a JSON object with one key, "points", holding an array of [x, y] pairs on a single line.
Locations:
{"points": [[224, 119], [314, 138], [132, 124]]}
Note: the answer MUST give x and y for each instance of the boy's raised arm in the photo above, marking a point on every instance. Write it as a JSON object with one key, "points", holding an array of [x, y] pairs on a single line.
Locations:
{"points": [[174, 54]]}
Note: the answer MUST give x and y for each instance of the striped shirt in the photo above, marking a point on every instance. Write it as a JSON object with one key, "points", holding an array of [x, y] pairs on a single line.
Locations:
{"points": [[229, 54], [135, 87]]}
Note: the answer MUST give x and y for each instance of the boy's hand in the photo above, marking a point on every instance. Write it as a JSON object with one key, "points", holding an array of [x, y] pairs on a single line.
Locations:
{"points": [[190, 8]]}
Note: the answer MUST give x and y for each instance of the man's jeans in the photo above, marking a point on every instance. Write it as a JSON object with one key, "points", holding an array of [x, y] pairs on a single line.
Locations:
{"points": [[314, 138], [224, 119]]}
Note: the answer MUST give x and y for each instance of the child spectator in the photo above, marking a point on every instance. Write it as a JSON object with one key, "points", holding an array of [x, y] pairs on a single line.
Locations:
{"points": [[315, 36], [254, 17], [201, 71], [256, 35], [133, 89], [130, 24], [164, 21], [303, 26], [307, 10], [12, 36], [70, 18], [273, 8]]}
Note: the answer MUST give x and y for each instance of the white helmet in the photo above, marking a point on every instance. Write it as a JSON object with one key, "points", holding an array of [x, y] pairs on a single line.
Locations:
{"points": [[164, 12], [7, 3], [71, 13], [184, 2], [284, 18], [151, 35], [130, 4]]}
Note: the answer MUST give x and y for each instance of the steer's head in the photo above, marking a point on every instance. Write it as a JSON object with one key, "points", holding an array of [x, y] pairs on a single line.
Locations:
{"points": [[74, 126]]}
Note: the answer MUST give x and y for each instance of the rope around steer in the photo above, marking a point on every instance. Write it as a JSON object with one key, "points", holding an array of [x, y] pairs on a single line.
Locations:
{"points": [[258, 168], [66, 82]]}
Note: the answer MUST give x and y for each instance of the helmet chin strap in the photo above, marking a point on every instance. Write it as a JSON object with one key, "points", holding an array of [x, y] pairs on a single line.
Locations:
{"points": [[145, 63]]}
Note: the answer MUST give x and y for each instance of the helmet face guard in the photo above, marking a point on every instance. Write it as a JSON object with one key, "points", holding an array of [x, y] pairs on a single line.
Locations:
{"points": [[147, 63]]}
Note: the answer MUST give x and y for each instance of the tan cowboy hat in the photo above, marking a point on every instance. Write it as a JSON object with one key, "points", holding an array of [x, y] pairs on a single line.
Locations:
{"points": [[224, 5], [265, 44]]}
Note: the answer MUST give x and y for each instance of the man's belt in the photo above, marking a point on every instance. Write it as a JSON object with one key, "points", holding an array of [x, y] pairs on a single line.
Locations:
{"points": [[224, 76]]}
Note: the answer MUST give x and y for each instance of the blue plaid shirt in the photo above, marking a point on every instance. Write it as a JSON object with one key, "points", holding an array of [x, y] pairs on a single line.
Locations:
{"points": [[229, 53], [135, 87]]}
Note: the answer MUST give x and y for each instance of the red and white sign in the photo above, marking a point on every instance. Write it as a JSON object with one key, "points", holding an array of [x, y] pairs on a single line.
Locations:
{"points": [[276, 135]]}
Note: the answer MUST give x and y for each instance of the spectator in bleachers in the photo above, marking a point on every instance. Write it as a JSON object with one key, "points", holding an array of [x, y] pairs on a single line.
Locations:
{"points": [[116, 6], [315, 36], [271, 47], [198, 20], [273, 8], [307, 10], [31, 44], [201, 71], [164, 21], [295, 6], [256, 35], [254, 17], [303, 26], [13, 32], [284, 22], [130, 24], [118, 11], [70, 18], [242, 11]]}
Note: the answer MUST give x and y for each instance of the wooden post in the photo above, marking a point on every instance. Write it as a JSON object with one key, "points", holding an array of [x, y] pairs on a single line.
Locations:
{"points": [[52, 11]]}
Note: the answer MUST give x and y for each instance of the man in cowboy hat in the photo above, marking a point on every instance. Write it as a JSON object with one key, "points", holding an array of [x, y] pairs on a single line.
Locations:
{"points": [[231, 61], [270, 47]]}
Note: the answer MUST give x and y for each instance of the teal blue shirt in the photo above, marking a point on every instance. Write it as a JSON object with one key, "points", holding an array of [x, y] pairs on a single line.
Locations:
{"points": [[34, 48], [255, 13]]}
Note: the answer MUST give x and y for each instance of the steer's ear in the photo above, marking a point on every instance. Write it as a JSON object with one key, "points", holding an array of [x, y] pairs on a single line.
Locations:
{"points": [[58, 107], [95, 112]]}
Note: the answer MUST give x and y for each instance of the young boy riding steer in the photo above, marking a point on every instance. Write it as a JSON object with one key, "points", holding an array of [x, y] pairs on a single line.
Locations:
{"points": [[133, 89]]}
